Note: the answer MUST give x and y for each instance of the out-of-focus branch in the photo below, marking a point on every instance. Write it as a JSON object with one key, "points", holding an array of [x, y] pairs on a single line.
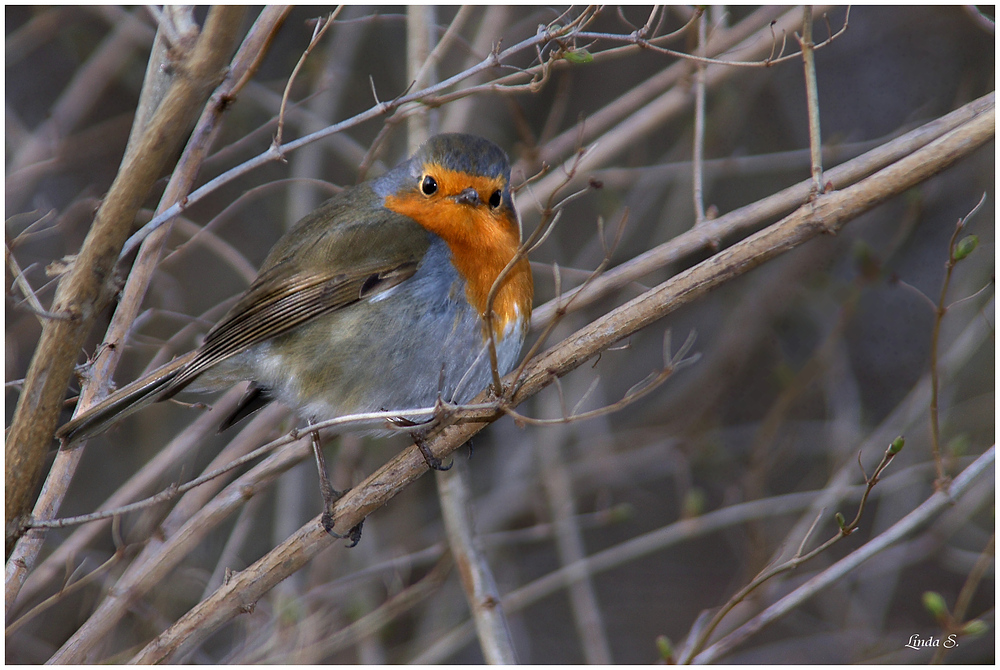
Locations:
{"points": [[196, 515], [591, 631], [477, 579], [799, 558], [151, 473], [826, 215], [698, 154], [75, 102]]}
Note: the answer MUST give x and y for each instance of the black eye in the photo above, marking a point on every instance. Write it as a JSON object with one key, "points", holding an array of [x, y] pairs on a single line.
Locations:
{"points": [[429, 185], [495, 199]]}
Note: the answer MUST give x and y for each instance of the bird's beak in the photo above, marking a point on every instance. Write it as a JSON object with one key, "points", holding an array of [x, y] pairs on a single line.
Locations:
{"points": [[469, 196]]}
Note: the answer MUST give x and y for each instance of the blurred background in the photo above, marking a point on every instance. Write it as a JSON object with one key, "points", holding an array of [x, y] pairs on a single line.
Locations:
{"points": [[804, 362]]}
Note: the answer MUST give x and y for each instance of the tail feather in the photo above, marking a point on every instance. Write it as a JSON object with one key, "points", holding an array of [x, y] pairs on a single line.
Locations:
{"points": [[123, 402]]}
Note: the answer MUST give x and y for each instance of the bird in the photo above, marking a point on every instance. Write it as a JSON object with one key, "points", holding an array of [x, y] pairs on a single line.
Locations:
{"points": [[374, 301]]}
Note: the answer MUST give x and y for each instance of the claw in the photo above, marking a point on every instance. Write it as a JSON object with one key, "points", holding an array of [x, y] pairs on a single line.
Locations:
{"points": [[433, 462], [354, 534]]}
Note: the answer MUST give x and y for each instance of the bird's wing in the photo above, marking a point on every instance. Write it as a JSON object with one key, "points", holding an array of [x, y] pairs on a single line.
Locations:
{"points": [[348, 262]]}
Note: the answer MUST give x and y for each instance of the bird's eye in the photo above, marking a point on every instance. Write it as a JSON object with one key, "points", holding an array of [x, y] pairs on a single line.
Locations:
{"points": [[429, 185], [495, 199]]}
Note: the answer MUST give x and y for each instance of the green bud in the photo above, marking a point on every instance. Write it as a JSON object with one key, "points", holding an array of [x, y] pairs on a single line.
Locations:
{"points": [[664, 647], [578, 56], [621, 513], [867, 260], [975, 627], [897, 445], [694, 503], [965, 246], [934, 603], [958, 445], [841, 521], [784, 374]]}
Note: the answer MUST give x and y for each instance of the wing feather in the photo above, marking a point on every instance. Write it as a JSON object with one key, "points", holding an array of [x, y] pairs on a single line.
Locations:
{"points": [[274, 305]]}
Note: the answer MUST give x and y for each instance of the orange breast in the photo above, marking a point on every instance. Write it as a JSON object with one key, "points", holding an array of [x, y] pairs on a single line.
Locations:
{"points": [[482, 241]]}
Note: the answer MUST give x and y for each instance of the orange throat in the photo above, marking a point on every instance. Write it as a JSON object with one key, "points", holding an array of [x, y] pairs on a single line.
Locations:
{"points": [[482, 243]]}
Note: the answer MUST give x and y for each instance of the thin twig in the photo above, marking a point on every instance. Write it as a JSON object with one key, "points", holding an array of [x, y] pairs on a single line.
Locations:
{"points": [[672, 363], [318, 31], [699, 124], [767, 62], [26, 290], [812, 97], [939, 313], [550, 214]]}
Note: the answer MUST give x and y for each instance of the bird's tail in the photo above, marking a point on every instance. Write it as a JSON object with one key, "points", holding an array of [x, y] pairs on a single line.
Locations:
{"points": [[123, 402]]}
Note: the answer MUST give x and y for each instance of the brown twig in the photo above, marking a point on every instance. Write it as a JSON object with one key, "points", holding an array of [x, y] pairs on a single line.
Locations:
{"points": [[550, 215], [672, 363], [940, 309], [812, 95], [318, 31], [25, 286]]}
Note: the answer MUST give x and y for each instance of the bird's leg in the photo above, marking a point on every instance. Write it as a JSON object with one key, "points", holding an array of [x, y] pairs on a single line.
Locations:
{"points": [[433, 462], [424, 428], [330, 495], [419, 437]]}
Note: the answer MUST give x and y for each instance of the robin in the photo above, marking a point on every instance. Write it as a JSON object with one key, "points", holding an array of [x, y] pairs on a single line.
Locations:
{"points": [[374, 301]]}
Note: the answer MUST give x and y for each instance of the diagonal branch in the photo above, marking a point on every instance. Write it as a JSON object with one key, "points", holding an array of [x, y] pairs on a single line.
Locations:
{"points": [[827, 214], [751, 216]]}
